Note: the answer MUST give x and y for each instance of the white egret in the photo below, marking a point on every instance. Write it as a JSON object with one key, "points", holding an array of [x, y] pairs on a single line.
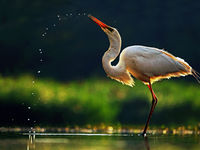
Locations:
{"points": [[147, 64]]}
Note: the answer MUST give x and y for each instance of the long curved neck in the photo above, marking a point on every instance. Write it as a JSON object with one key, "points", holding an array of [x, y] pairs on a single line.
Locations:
{"points": [[111, 54]]}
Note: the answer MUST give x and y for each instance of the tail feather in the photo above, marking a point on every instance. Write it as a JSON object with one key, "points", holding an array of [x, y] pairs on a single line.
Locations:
{"points": [[196, 75]]}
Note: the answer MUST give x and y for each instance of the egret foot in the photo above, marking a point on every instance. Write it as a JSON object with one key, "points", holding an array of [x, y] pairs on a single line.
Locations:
{"points": [[143, 134]]}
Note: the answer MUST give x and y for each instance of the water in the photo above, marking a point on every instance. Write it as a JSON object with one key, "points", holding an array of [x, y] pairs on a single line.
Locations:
{"points": [[98, 142]]}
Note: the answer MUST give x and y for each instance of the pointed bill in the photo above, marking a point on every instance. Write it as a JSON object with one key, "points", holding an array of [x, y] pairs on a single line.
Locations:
{"points": [[101, 24]]}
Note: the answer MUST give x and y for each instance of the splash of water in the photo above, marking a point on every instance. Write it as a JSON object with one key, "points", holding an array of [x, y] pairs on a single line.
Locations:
{"points": [[47, 29]]}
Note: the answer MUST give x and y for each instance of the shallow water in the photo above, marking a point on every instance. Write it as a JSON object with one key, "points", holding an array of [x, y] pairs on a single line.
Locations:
{"points": [[98, 142]]}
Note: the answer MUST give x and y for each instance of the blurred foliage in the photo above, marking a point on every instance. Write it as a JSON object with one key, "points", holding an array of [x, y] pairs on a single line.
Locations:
{"points": [[72, 49], [95, 101]]}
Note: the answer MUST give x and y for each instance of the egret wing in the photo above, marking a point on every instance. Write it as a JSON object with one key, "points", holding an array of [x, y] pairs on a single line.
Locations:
{"points": [[156, 63]]}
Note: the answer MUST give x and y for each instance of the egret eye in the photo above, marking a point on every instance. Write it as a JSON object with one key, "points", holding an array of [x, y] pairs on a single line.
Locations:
{"points": [[110, 29]]}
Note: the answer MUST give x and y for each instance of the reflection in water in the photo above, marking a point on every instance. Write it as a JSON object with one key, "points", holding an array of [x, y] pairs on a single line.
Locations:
{"points": [[82, 141], [31, 142], [109, 142], [98, 142], [146, 143]]}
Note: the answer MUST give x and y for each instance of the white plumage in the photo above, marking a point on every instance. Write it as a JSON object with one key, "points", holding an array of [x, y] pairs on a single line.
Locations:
{"points": [[148, 63]]}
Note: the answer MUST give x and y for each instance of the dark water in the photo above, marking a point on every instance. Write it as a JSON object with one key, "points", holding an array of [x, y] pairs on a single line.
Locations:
{"points": [[98, 142]]}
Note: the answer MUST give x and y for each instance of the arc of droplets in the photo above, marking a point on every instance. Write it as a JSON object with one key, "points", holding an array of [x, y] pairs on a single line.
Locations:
{"points": [[79, 14], [38, 72], [61, 17], [33, 82], [41, 52]]}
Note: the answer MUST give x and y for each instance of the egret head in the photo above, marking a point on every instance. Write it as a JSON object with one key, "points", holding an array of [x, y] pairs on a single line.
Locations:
{"points": [[110, 31]]}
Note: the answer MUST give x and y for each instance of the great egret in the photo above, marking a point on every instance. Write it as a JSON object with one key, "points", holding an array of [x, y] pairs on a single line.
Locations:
{"points": [[147, 64]]}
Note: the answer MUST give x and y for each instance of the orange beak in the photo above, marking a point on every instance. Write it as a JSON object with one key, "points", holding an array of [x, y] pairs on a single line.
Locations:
{"points": [[101, 24]]}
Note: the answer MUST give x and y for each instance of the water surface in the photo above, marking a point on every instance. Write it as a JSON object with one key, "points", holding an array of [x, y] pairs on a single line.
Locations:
{"points": [[98, 142]]}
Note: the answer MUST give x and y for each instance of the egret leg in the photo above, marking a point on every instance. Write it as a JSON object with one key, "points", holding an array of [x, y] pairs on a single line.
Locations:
{"points": [[153, 105]]}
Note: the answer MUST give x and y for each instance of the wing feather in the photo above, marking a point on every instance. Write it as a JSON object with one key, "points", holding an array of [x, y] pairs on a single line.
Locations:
{"points": [[155, 63]]}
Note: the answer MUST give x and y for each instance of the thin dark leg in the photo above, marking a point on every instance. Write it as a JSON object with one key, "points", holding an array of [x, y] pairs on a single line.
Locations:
{"points": [[153, 105]]}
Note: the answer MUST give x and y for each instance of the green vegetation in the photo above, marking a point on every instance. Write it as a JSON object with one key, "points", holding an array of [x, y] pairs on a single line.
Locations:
{"points": [[95, 101]]}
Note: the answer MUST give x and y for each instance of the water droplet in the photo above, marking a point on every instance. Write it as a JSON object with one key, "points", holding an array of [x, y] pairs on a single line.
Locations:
{"points": [[84, 14], [34, 121], [31, 128], [40, 50], [70, 14], [41, 59], [29, 107], [54, 25], [33, 93], [66, 14], [79, 14], [58, 16], [33, 82], [28, 119], [12, 119], [43, 34], [38, 71], [47, 28]]}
